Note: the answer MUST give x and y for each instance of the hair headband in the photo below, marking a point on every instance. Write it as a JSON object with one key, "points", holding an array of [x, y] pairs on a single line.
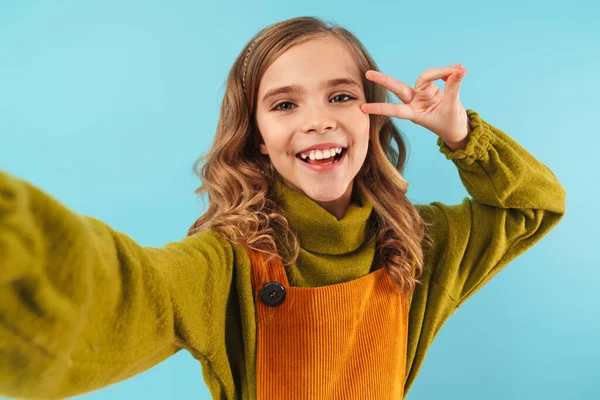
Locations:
{"points": [[245, 65]]}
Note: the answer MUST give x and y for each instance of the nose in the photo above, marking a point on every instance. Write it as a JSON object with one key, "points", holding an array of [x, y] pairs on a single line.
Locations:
{"points": [[318, 119]]}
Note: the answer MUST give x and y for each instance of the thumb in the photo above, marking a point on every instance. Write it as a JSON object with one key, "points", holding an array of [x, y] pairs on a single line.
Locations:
{"points": [[453, 84]]}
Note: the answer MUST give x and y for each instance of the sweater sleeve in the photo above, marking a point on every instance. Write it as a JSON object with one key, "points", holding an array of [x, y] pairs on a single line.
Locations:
{"points": [[516, 200], [83, 306]]}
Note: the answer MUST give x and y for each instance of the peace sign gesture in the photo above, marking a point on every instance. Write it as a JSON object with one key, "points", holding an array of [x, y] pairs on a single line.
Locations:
{"points": [[426, 105]]}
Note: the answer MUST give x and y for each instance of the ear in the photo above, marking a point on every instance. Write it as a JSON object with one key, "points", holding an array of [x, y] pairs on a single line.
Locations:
{"points": [[263, 149]]}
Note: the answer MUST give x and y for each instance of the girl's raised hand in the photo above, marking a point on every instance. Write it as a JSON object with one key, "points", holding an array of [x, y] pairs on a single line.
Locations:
{"points": [[426, 105]]}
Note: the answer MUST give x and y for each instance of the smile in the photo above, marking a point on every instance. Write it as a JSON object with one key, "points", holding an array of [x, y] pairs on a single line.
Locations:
{"points": [[335, 162]]}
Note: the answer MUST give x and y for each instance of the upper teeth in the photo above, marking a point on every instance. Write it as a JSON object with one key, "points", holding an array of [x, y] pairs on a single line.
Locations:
{"points": [[319, 155]]}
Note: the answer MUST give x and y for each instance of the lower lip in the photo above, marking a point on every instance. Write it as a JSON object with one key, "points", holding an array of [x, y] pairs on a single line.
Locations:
{"points": [[324, 168]]}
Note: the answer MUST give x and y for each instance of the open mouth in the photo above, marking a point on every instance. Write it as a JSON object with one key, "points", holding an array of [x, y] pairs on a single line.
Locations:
{"points": [[330, 160]]}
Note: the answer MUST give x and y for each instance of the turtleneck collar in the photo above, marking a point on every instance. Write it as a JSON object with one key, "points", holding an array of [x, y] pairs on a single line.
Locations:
{"points": [[318, 230]]}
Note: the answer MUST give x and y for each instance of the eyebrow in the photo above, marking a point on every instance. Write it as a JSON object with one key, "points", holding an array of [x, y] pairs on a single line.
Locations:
{"points": [[297, 89]]}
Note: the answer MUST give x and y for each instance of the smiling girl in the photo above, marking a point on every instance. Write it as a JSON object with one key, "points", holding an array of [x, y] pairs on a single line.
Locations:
{"points": [[311, 274]]}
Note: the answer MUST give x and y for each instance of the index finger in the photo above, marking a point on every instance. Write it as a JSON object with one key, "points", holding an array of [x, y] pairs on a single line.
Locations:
{"points": [[432, 74]]}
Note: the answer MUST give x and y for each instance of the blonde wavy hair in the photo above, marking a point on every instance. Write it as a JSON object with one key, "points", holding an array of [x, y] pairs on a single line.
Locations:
{"points": [[239, 179]]}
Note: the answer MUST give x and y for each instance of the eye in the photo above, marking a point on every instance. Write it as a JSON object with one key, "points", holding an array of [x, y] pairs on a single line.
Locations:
{"points": [[279, 109], [278, 106], [344, 95]]}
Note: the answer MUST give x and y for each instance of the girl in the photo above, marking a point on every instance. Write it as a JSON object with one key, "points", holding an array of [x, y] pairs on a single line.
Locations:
{"points": [[311, 275]]}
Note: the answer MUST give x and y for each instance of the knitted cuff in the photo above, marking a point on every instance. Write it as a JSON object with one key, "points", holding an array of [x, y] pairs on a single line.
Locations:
{"points": [[480, 140]]}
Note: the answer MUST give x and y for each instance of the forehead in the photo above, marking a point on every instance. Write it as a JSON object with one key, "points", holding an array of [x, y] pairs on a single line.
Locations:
{"points": [[309, 63]]}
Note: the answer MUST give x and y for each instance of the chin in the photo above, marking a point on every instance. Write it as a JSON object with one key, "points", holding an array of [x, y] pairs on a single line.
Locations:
{"points": [[326, 193]]}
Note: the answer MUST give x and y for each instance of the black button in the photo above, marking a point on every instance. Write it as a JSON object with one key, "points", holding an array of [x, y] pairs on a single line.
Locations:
{"points": [[272, 294]]}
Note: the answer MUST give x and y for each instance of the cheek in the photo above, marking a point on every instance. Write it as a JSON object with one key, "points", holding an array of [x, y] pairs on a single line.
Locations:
{"points": [[356, 114], [359, 123], [267, 128], [275, 136]]}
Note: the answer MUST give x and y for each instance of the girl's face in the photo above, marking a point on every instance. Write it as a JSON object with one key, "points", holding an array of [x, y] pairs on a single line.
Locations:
{"points": [[311, 96]]}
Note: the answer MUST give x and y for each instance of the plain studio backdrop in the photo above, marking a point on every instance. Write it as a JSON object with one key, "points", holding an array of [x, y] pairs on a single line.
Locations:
{"points": [[106, 105]]}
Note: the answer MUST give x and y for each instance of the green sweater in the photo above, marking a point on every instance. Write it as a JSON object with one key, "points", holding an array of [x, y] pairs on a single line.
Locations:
{"points": [[83, 306]]}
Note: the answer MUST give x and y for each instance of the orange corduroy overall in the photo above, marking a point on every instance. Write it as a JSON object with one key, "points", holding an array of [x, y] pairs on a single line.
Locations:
{"points": [[342, 341]]}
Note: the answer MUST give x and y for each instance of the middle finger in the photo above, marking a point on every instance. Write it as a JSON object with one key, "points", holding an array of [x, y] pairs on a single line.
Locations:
{"points": [[400, 89]]}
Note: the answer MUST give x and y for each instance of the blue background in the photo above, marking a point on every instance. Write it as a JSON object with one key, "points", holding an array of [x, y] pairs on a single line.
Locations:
{"points": [[106, 105]]}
